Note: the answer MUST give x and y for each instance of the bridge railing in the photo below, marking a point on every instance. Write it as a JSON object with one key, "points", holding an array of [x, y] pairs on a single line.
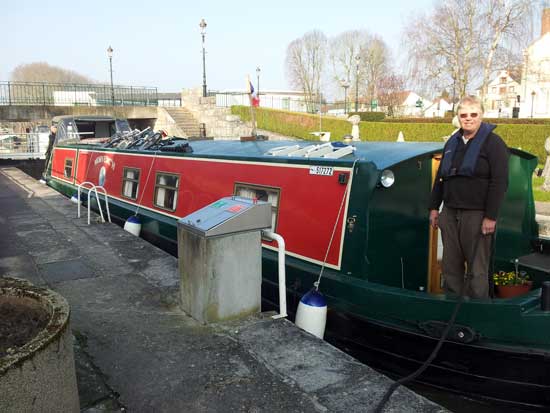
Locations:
{"points": [[23, 145], [75, 94]]}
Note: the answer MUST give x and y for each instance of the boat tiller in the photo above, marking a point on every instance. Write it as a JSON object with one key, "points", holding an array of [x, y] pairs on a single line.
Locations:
{"points": [[133, 225], [312, 313]]}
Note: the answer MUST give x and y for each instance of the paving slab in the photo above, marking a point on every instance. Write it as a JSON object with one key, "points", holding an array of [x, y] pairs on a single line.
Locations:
{"points": [[136, 350]]}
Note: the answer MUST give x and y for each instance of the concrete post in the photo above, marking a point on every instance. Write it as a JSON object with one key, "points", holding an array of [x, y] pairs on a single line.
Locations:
{"points": [[220, 277]]}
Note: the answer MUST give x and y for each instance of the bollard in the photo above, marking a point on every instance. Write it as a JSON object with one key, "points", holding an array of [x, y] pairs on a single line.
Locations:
{"points": [[545, 296]]}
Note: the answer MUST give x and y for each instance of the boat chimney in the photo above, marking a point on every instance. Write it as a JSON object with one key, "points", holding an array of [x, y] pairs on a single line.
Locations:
{"points": [[545, 25]]}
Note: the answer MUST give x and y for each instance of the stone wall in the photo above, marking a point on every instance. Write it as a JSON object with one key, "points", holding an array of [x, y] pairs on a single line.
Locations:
{"points": [[166, 122], [219, 122]]}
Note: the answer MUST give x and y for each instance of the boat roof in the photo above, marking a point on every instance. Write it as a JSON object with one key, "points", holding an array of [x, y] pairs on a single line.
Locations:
{"points": [[382, 154]]}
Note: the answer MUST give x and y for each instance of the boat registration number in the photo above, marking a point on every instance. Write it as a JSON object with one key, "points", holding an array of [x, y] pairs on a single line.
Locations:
{"points": [[321, 170]]}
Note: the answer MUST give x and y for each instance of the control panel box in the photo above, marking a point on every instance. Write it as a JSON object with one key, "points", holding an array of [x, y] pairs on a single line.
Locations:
{"points": [[228, 215]]}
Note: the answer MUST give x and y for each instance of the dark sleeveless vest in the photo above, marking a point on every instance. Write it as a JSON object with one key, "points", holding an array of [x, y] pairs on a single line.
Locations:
{"points": [[470, 157]]}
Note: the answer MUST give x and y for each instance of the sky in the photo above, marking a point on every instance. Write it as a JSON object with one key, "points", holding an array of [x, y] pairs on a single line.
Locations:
{"points": [[158, 43]]}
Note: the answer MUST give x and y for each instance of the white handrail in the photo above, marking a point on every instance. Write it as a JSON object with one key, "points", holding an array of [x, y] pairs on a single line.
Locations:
{"points": [[79, 189], [282, 271], [94, 188], [106, 201]]}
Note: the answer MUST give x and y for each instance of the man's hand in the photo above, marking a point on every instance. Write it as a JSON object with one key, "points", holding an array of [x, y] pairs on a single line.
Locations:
{"points": [[434, 218], [488, 226]]}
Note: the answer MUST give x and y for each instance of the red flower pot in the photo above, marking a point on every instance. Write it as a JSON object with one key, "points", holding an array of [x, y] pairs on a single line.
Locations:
{"points": [[509, 291]]}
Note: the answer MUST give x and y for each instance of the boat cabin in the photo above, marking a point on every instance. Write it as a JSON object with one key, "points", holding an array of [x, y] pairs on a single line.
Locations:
{"points": [[87, 128]]}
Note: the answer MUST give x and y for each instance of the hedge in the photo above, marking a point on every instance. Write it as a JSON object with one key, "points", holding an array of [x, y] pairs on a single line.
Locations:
{"points": [[496, 121], [300, 125], [369, 116]]}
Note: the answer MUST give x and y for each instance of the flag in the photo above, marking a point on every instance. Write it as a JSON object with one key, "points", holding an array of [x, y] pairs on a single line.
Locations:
{"points": [[254, 95]]}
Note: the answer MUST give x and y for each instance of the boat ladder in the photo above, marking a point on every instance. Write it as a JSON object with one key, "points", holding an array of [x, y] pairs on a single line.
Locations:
{"points": [[94, 188]]}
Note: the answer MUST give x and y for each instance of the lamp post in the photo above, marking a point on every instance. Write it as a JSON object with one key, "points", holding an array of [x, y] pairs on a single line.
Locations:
{"points": [[258, 78], [110, 54], [202, 25], [533, 93], [345, 84], [357, 59]]}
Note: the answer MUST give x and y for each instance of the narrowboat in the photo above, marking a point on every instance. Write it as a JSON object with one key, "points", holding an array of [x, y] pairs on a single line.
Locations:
{"points": [[358, 215]]}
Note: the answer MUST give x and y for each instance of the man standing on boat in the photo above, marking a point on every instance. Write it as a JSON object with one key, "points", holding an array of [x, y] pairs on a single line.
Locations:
{"points": [[471, 182]]}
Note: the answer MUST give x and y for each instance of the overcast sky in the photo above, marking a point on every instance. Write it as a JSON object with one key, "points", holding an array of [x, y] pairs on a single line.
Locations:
{"points": [[158, 43]]}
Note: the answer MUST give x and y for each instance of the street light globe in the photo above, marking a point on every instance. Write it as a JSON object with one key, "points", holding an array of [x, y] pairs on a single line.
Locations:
{"points": [[110, 51], [258, 70], [202, 25]]}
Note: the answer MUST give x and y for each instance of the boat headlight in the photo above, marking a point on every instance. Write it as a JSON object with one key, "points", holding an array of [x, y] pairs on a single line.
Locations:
{"points": [[387, 178]]}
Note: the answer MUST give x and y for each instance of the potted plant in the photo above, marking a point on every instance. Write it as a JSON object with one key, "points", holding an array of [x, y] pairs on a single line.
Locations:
{"points": [[511, 284]]}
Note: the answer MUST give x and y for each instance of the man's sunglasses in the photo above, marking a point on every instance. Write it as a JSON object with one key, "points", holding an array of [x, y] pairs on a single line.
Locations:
{"points": [[465, 115]]}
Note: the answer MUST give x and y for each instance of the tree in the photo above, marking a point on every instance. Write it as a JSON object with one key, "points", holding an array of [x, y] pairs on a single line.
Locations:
{"points": [[363, 73], [343, 50], [305, 63], [376, 57], [503, 20], [391, 93], [458, 43], [443, 50], [43, 72]]}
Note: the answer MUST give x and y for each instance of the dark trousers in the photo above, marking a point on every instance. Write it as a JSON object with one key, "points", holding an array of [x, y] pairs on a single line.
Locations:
{"points": [[459, 230]]}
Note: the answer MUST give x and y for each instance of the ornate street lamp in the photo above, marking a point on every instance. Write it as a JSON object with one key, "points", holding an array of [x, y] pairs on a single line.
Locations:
{"points": [[357, 59], [533, 94], [202, 25], [110, 54], [345, 84], [258, 84]]}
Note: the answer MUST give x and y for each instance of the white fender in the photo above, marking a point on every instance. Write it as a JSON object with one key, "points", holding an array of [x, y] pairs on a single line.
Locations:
{"points": [[312, 313], [74, 199], [133, 225]]}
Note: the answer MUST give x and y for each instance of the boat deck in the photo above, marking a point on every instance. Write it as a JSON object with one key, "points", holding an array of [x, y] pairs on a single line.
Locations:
{"points": [[136, 350]]}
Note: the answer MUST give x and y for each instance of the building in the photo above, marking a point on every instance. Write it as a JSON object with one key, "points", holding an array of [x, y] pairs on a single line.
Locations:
{"points": [[438, 108], [501, 95], [535, 81]]}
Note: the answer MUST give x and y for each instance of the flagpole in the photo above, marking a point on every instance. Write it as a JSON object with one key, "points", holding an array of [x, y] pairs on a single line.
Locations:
{"points": [[252, 109]]}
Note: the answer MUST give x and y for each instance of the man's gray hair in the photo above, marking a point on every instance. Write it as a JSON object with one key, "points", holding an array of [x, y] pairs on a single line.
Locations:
{"points": [[471, 101]]}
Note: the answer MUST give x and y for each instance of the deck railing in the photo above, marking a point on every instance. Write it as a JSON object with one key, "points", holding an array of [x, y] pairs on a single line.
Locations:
{"points": [[75, 94]]}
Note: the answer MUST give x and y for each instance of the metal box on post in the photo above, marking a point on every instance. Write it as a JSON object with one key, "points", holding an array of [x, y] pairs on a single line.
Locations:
{"points": [[219, 259]]}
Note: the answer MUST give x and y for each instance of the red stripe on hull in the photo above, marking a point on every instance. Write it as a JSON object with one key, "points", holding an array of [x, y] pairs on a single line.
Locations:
{"points": [[306, 215]]}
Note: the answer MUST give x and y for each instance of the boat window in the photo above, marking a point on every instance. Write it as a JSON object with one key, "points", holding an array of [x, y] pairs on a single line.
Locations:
{"points": [[261, 193], [66, 132], [68, 168], [166, 191], [130, 183]]}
